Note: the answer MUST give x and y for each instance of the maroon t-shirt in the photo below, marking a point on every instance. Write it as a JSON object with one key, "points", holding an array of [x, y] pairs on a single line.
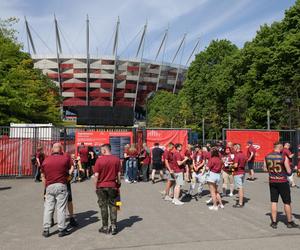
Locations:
{"points": [[41, 157], [250, 150], [241, 160], [146, 156], [168, 155], [188, 153], [108, 167], [198, 159], [228, 160], [56, 168], [84, 153], [177, 157], [287, 153], [206, 155], [215, 165]]}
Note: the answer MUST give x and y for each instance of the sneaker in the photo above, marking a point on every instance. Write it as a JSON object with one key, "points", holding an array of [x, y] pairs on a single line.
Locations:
{"points": [[163, 192], [127, 181], [292, 225], [213, 208], [104, 230], [73, 222], [168, 198], [153, 181], [238, 205], [178, 202], [113, 229], [221, 206], [231, 194], [63, 233], [134, 181], [273, 225], [46, 233], [209, 201]]}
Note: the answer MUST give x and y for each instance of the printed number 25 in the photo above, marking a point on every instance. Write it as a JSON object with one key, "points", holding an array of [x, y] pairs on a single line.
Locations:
{"points": [[274, 166]]}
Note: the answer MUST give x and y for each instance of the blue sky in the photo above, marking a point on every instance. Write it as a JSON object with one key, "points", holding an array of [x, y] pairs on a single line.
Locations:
{"points": [[236, 20]]}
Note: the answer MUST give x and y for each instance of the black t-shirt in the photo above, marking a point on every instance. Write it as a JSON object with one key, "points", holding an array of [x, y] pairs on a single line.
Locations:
{"points": [[157, 154]]}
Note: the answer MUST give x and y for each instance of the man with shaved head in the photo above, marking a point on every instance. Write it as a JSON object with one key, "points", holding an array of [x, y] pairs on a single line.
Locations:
{"points": [[55, 171]]}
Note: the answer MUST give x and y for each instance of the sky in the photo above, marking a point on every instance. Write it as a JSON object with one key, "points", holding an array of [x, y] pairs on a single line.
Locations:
{"points": [[203, 20]]}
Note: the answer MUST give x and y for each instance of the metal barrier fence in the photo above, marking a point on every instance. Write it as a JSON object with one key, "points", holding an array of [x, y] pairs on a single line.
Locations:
{"points": [[291, 136], [18, 145]]}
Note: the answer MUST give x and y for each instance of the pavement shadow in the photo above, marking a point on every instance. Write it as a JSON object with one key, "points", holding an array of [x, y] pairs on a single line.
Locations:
{"points": [[280, 217], [4, 188], [85, 218], [122, 224]]}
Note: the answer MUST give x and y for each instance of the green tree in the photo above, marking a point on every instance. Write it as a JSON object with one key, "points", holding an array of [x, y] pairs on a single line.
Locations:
{"points": [[245, 83], [26, 95]]}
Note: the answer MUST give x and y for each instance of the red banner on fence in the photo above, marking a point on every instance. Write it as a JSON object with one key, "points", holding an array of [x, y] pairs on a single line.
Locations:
{"points": [[262, 140], [97, 138], [163, 137]]}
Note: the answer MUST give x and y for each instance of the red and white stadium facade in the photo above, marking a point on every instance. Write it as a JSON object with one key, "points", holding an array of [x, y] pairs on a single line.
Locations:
{"points": [[109, 82]]}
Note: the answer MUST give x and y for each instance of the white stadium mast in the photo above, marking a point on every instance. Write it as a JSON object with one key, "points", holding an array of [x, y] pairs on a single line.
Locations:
{"points": [[115, 54], [163, 43], [179, 66], [141, 46], [29, 37]]}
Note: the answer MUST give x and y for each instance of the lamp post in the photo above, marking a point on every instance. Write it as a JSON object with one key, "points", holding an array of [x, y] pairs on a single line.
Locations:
{"points": [[288, 101]]}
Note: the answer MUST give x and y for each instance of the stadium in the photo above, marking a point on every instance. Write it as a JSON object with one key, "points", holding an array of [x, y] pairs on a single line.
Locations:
{"points": [[109, 90]]}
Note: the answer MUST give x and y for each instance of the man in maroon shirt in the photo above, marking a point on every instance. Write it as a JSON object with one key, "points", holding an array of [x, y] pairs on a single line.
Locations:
{"points": [[107, 180], [168, 159], [251, 151], [178, 168], [240, 161], [55, 172], [84, 159], [279, 169], [286, 153]]}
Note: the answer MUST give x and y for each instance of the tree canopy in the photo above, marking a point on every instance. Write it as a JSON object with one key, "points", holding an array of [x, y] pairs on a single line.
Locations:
{"points": [[26, 95], [245, 83]]}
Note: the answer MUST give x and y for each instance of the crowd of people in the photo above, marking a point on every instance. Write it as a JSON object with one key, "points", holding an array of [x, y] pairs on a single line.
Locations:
{"points": [[195, 166]]}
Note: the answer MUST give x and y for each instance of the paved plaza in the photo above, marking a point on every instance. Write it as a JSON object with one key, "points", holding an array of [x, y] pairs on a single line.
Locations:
{"points": [[146, 221]]}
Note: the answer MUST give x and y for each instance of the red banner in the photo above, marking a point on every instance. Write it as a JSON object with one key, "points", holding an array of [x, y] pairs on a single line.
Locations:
{"points": [[98, 138], [262, 140], [164, 137]]}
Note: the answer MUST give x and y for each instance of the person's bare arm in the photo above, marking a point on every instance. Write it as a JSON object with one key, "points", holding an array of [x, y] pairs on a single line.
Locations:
{"points": [[71, 170], [287, 165], [43, 179], [265, 168], [183, 161], [96, 176]]}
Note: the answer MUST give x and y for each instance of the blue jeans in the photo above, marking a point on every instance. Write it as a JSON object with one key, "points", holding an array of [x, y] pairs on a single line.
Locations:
{"points": [[132, 169]]}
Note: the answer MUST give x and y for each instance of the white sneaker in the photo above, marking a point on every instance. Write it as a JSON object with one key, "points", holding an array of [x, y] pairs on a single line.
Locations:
{"points": [[213, 208], [231, 194], [134, 181], [221, 206], [178, 202], [168, 198], [163, 192], [127, 181], [209, 201]]}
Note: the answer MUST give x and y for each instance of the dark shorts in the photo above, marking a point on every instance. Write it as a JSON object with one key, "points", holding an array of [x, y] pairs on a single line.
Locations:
{"points": [[69, 192], [85, 165], [282, 189], [157, 166], [250, 165]]}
